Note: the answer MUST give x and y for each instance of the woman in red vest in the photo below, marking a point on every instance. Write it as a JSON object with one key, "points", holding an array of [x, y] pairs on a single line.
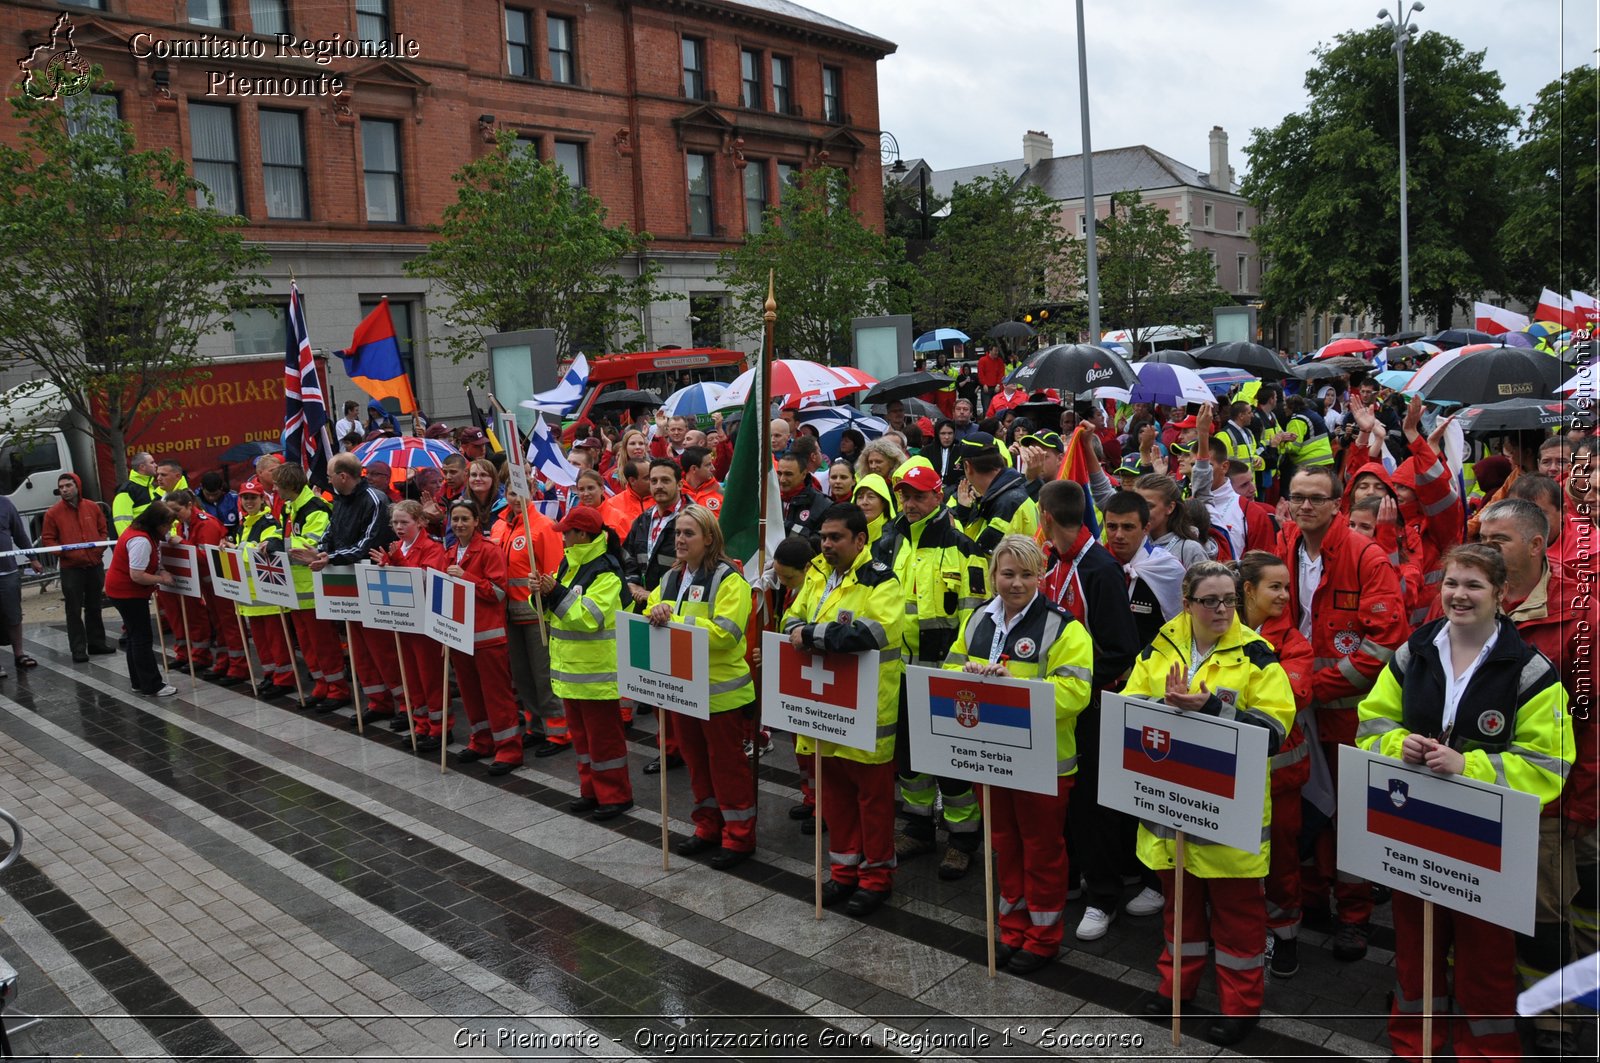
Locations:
{"points": [[419, 655], [134, 575], [485, 674]]}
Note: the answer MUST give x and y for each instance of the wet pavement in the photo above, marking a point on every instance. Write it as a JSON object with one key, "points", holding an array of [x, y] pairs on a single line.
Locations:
{"points": [[207, 875]]}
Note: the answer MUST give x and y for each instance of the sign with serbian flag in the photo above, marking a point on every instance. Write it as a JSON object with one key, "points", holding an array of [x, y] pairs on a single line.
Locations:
{"points": [[669, 666], [391, 596], [1186, 771], [183, 564], [338, 593], [987, 729], [451, 611], [227, 573], [832, 697], [373, 360], [271, 581], [1470, 846]]}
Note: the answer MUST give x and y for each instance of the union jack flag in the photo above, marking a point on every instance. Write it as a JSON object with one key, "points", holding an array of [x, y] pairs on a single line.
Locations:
{"points": [[269, 569], [305, 416]]}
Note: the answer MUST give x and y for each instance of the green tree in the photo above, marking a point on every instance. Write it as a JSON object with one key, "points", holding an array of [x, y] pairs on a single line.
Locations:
{"points": [[1326, 181], [828, 266], [113, 275], [1552, 235], [1001, 250], [908, 214], [521, 248]]}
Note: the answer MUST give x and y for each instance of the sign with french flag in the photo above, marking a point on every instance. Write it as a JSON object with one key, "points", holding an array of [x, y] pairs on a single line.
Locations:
{"points": [[832, 697], [227, 573], [182, 563], [338, 593], [1186, 771], [391, 597], [668, 666], [451, 610], [987, 729], [1470, 846]]}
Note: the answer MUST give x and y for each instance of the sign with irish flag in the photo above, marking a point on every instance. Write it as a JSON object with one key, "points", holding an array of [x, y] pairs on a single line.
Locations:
{"points": [[338, 593], [450, 617], [227, 573], [669, 666], [984, 728]]}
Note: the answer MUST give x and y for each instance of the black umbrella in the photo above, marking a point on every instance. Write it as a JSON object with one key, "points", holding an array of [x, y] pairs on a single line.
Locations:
{"points": [[1324, 368], [627, 397], [1073, 369], [906, 386], [1460, 337], [1183, 358], [1251, 357], [1397, 354], [1494, 375], [249, 451], [1514, 415], [913, 408], [1580, 352], [1405, 337], [1010, 330]]}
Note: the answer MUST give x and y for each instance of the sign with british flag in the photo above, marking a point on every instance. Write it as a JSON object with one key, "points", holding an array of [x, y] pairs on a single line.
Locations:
{"points": [[1186, 771], [180, 562], [271, 581], [832, 697], [987, 729]]}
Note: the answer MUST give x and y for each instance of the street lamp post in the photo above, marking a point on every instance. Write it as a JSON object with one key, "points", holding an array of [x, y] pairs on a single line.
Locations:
{"points": [[1092, 263], [1402, 36]]}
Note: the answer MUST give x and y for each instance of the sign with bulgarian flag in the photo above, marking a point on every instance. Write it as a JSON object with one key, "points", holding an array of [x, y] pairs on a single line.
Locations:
{"points": [[669, 666], [338, 593]]}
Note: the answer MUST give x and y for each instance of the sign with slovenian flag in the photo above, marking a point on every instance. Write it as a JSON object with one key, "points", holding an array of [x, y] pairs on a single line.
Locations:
{"points": [[391, 596], [183, 564], [227, 573], [1186, 771], [338, 593], [450, 617], [668, 666], [988, 729], [373, 360], [1470, 846]]}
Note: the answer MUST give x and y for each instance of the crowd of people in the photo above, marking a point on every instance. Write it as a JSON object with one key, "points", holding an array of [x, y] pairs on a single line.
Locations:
{"points": [[1331, 585]]}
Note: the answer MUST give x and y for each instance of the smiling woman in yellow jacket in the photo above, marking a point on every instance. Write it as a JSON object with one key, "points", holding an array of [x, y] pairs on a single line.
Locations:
{"points": [[1206, 660]]}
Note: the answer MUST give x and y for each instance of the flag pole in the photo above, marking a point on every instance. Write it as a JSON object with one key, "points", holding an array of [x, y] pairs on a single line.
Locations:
{"points": [[183, 618], [661, 751], [288, 640], [405, 689], [816, 847], [1177, 940], [444, 721], [1427, 981], [166, 672], [356, 693], [763, 470], [527, 528], [988, 873], [250, 666]]}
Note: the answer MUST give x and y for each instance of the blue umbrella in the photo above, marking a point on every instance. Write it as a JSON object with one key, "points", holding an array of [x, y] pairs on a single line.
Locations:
{"points": [[827, 419], [1222, 379], [1168, 385], [697, 400], [935, 340]]}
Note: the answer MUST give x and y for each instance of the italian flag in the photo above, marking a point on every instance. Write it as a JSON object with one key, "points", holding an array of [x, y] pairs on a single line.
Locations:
{"points": [[667, 650]]}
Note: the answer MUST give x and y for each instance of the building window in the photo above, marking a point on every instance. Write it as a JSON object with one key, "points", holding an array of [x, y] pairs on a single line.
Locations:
{"points": [[781, 81], [260, 329], [1244, 273], [269, 17], [1212, 256], [694, 68], [216, 156], [558, 32], [209, 13], [788, 176], [380, 148], [755, 195], [372, 20], [1083, 223], [699, 177], [79, 108], [1209, 213], [1238, 221], [526, 145], [283, 164], [832, 94], [98, 5], [519, 43], [569, 156], [750, 79], [400, 314]]}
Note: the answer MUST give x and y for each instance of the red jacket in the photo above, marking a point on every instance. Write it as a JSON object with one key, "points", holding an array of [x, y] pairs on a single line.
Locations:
{"points": [[426, 552], [622, 509], [1434, 522], [485, 566], [81, 523], [1357, 621], [1291, 765], [118, 583], [513, 539], [203, 531], [991, 370]]}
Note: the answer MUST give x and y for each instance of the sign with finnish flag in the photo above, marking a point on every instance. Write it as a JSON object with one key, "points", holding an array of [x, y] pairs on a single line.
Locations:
{"points": [[227, 573], [1186, 771], [451, 613], [271, 581], [1468, 845], [391, 597], [832, 697], [669, 666], [338, 593], [988, 729], [182, 562]]}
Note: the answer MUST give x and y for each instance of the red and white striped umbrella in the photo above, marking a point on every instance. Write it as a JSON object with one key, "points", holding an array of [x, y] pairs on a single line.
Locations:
{"points": [[794, 379]]}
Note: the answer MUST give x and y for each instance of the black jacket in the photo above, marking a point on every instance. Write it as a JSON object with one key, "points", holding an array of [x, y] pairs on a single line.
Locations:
{"points": [[359, 525], [802, 515], [642, 565], [1106, 613], [1512, 673]]}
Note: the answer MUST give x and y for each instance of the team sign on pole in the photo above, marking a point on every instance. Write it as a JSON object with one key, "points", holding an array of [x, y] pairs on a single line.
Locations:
{"points": [[1467, 845], [338, 593], [181, 562], [391, 597], [983, 728], [227, 573], [516, 460], [452, 611], [828, 696], [1183, 770], [270, 576], [669, 666]]}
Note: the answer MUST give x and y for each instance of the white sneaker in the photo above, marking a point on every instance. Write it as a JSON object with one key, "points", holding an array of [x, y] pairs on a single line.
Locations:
{"points": [[1096, 922], [167, 691], [1148, 902]]}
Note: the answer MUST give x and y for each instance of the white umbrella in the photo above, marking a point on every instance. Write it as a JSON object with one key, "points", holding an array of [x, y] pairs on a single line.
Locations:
{"points": [[697, 399], [794, 379], [1582, 385], [1169, 385], [1432, 368]]}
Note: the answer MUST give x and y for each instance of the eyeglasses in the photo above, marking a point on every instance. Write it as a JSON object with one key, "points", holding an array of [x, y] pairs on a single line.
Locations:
{"points": [[1212, 602], [1309, 500]]}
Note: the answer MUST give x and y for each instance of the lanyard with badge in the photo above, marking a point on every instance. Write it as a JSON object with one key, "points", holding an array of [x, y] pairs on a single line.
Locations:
{"points": [[835, 581]]}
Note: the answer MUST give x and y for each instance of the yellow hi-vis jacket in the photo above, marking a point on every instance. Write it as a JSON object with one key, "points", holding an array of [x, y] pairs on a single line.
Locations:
{"points": [[717, 599], [582, 610], [304, 522], [252, 532], [943, 577]]}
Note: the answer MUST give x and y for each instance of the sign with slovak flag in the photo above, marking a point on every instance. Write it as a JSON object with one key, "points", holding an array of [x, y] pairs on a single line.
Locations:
{"points": [[227, 572], [391, 596], [832, 697], [271, 581], [1186, 771], [1468, 845], [184, 566], [450, 615], [338, 593], [989, 729], [668, 666]]}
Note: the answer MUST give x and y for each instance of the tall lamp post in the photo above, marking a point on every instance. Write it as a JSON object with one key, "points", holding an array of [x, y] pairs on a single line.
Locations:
{"points": [[1092, 281], [1402, 31]]}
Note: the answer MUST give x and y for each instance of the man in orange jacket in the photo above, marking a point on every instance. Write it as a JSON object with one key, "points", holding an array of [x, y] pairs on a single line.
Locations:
{"points": [[700, 482], [623, 508], [530, 545]]}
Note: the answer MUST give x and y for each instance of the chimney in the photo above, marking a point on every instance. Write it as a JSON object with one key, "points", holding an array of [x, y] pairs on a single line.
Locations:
{"points": [[1221, 175], [1036, 147]]}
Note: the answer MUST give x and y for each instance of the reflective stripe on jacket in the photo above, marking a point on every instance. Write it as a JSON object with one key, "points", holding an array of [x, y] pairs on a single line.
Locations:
{"points": [[582, 610]]}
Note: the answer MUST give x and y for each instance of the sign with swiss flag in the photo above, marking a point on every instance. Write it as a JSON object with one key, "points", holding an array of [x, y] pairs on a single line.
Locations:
{"points": [[832, 697], [988, 729], [184, 566]]}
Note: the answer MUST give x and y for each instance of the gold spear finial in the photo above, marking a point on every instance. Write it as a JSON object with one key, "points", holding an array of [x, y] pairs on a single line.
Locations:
{"points": [[772, 298]]}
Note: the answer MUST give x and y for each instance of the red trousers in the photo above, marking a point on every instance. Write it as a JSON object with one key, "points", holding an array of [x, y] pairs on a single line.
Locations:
{"points": [[228, 652], [1030, 848], [484, 677], [324, 654], [1485, 985], [378, 669], [190, 625], [719, 776], [1320, 875], [1238, 929], [808, 770], [272, 650], [602, 749], [858, 806], [1283, 873], [423, 663]]}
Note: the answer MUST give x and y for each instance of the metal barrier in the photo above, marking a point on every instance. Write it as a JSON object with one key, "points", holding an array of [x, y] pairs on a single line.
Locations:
{"points": [[8, 974]]}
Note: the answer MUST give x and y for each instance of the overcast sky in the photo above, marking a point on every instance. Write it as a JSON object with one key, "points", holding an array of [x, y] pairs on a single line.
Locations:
{"points": [[970, 77]]}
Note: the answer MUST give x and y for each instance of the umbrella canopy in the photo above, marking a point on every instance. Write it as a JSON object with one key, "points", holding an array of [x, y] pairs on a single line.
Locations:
{"points": [[1518, 339], [1513, 415], [827, 419], [1482, 375], [405, 452], [1261, 361], [1075, 369], [1460, 337], [1395, 379], [626, 397], [1168, 385], [1417, 351], [906, 386], [854, 376], [696, 399], [1405, 337], [935, 340], [1546, 330], [1221, 379], [1581, 386], [1183, 358], [249, 451], [1330, 368], [913, 408], [1348, 346], [794, 379], [1010, 330]]}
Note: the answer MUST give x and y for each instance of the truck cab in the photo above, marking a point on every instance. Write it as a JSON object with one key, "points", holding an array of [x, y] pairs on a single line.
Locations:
{"points": [[662, 372]]}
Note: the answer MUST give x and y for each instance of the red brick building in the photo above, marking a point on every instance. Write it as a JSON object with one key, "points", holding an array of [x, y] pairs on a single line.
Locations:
{"points": [[333, 127]]}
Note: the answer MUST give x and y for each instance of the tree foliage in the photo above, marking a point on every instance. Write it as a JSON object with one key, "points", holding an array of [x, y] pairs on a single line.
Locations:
{"points": [[904, 207], [522, 248], [1001, 250], [112, 274], [828, 267], [1552, 236], [1326, 181]]}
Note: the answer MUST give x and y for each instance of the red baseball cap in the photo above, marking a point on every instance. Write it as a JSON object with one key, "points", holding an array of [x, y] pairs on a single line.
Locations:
{"points": [[921, 478], [251, 486], [1187, 422], [584, 519]]}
